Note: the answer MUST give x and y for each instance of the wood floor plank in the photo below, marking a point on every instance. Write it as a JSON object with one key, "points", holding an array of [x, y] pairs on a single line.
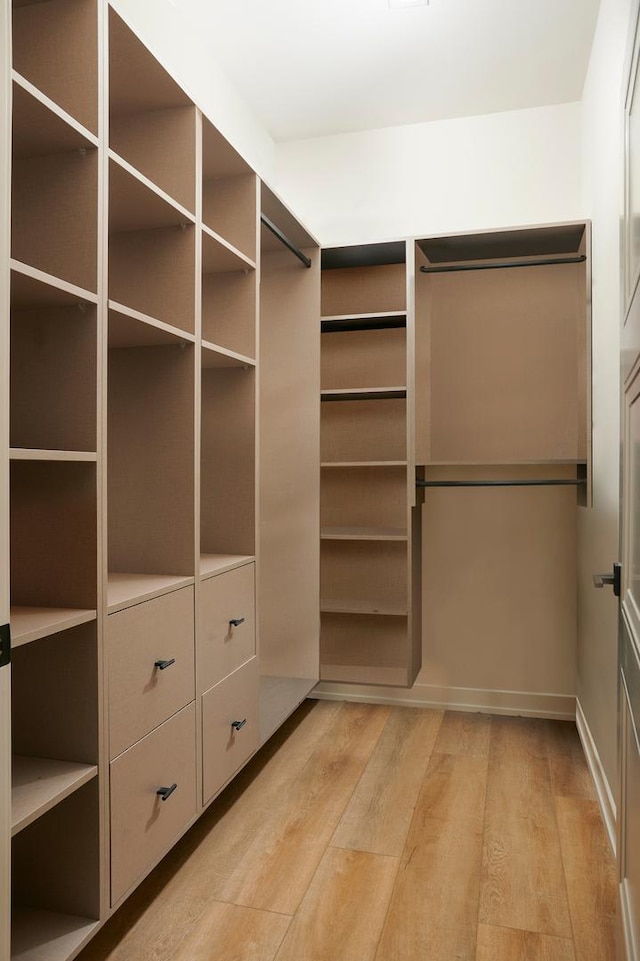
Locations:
{"points": [[570, 775], [522, 874], [508, 944], [286, 848], [227, 931], [462, 733], [343, 910], [591, 878], [378, 816], [434, 907]]}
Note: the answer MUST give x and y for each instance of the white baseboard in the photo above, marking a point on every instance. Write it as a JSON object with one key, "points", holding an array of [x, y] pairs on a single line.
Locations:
{"points": [[603, 788], [524, 703]]}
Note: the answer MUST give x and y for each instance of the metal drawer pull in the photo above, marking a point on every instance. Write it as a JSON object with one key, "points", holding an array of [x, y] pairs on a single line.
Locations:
{"points": [[163, 665], [238, 725], [165, 792], [237, 621]]}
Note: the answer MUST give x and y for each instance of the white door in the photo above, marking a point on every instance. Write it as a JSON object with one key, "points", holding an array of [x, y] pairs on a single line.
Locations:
{"points": [[628, 841], [5, 687]]}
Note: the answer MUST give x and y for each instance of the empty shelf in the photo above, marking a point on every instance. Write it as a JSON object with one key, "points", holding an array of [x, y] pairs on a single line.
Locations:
{"points": [[125, 590], [211, 564], [30, 453], [40, 783], [345, 322], [31, 287], [131, 328], [31, 623], [219, 256], [46, 934], [347, 607], [214, 356], [363, 534], [364, 463]]}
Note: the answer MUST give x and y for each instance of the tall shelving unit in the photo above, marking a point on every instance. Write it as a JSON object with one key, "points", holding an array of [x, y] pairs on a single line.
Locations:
{"points": [[135, 459], [370, 532], [55, 293], [503, 434]]}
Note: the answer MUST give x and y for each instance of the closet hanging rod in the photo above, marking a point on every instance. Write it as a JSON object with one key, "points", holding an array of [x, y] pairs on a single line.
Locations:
{"points": [[285, 240], [544, 262], [530, 482]]}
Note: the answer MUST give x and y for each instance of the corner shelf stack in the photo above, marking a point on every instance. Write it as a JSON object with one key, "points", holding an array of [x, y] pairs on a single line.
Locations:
{"points": [[370, 534], [54, 564], [136, 686]]}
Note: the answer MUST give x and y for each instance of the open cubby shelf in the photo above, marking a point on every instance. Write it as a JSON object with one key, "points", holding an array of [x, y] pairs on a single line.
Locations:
{"points": [[229, 193], [55, 48], [351, 607], [36, 934], [330, 465], [229, 300], [54, 193], [214, 356], [363, 534], [219, 256], [131, 328], [38, 784], [212, 564], [135, 203], [32, 623], [344, 323], [125, 590], [31, 288]]}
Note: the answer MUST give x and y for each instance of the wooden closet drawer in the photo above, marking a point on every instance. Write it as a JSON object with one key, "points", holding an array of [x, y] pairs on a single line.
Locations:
{"points": [[143, 825], [223, 645], [144, 687], [229, 726]]}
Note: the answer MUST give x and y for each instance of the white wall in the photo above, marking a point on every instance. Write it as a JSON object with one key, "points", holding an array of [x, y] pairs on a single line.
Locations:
{"points": [[598, 528], [502, 169], [175, 41]]}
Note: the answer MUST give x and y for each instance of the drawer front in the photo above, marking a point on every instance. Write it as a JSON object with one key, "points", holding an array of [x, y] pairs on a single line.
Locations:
{"points": [[222, 645], [140, 640], [224, 747], [143, 825]]}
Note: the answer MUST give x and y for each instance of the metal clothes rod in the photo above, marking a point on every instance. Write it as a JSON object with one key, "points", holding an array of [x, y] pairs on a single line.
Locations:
{"points": [[550, 482], [285, 240], [450, 268]]}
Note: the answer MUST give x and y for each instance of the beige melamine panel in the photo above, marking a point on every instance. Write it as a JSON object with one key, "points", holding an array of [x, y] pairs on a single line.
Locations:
{"points": [[363, 290], [366, 648], [56, 864], [141, 695], [53, 534], [151, 460], [289, 464], [55, 47], [364, 358], [225, 749], [369, 574], [143, 826], [39, 131], [229, 206], [364, 497], [219, 159], [363, 430], [153, 271], [228, 462], [499, 583], [223, 646], [229, 310], [422, 360], [505, 351], [53, 378], [137, 81], [55, 697], [160, 144], [54, 215]]}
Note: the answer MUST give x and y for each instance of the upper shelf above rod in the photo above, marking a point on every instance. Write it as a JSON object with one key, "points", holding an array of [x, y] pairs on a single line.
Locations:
{"points": [[540, 262], [285, 240]]}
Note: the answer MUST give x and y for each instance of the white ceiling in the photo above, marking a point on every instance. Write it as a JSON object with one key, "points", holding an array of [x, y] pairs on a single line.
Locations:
{"points": [[310, 68]]}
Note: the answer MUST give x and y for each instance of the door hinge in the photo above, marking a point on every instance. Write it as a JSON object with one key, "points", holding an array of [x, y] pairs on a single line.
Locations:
{"points": [[5, 645]]}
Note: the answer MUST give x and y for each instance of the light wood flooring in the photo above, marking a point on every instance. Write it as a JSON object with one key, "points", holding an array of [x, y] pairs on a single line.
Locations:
{"points": [[371, 833]]}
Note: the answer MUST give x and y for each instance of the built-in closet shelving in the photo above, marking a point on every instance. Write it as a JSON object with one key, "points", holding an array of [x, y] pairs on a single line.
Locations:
{"points": [[502, 434], [54, 483], [139, 684], [370, 533]]}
